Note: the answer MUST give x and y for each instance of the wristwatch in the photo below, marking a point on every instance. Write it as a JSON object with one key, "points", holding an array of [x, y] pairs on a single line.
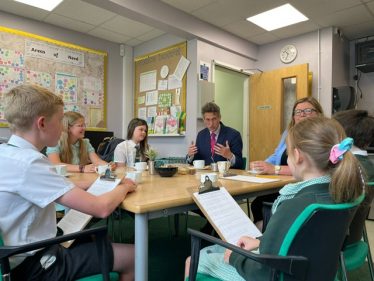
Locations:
{"points": [[277, 169]]}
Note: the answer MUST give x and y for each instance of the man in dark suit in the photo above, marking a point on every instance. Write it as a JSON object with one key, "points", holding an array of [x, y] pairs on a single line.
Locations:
{"points": [[216, 141]]}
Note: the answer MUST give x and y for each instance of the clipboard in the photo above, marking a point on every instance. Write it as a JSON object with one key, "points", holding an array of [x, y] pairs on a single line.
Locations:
{"points": [[223, 212]]}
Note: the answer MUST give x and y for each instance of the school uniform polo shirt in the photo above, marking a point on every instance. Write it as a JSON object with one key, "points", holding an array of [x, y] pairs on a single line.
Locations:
{"points": [[29, 185]]}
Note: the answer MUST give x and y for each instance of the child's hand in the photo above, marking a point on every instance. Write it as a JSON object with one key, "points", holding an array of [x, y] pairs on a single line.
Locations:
{"points": [[129, 183], [227, 256], [248, 243], [90, 168], [113, 165]]}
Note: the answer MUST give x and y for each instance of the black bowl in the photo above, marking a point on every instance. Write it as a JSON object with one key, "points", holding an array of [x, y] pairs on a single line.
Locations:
{"points": [[166, 171]]}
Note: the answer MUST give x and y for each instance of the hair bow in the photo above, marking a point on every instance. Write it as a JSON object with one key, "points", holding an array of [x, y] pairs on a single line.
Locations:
{"points": [[338, 150]]}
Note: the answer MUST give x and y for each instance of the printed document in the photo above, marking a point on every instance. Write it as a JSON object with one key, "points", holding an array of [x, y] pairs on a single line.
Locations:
{"points": [[226, 215]]}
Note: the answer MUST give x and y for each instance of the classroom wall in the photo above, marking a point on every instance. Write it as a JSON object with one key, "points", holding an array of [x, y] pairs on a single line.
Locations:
{"points": [[308, 45], [196, 51], [366, 83], [115, 70]]}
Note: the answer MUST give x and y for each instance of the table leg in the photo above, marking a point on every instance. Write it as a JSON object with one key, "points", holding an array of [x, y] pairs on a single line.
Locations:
{"points": [[141, 247]]}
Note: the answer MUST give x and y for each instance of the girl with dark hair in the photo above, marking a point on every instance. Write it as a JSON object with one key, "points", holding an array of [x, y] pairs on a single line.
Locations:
{"points": [[133, 148]]}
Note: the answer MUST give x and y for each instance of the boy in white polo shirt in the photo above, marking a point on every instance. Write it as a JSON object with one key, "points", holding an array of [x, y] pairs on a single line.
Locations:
{"points": [[29, 186]]}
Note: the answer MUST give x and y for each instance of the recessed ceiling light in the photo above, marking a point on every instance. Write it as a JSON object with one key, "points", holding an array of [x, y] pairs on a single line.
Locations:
{"points": [[48, 5], [279, 17]]}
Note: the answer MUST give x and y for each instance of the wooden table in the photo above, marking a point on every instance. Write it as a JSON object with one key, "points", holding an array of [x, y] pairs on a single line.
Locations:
{"points": [[157, 197]]}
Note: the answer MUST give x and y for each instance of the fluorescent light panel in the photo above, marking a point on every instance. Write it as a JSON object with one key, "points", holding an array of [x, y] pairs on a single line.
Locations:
{"points": [[279, 17], [48, 5]]}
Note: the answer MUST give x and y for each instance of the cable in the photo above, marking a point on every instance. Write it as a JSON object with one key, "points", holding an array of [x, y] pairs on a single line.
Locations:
{"points": [[358, 81]]}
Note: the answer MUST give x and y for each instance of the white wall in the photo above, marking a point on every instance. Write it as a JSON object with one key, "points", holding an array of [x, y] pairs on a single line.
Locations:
{"points": [[366, 84], [115, 72], [308, 48]]}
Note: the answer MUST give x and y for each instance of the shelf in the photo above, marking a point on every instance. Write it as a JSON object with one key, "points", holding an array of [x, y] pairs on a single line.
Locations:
{"points": [[165, 136]]}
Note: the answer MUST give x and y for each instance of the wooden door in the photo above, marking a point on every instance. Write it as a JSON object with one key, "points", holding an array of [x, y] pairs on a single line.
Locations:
{"points": [[266, 108]]}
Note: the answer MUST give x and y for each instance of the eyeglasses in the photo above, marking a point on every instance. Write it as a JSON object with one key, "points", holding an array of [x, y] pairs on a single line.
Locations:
{"points": [[80, 125], [307, 111]]}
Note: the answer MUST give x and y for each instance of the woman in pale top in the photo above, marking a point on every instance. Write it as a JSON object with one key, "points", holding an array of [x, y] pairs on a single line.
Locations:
{"points": [[72, 149], [277, 163]]}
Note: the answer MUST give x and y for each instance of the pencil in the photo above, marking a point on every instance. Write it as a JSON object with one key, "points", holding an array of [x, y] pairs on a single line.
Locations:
{"points": [[265, 176]]}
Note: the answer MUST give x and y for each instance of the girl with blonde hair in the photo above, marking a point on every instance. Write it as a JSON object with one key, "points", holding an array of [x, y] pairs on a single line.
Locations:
{"points": [[319, 155], [72, 149]]}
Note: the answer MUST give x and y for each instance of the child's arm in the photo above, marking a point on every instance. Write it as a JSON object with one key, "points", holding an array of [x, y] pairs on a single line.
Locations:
{"points": [[98, 206], [83, 184], [96, 160], [56, 160], [246, 243]]}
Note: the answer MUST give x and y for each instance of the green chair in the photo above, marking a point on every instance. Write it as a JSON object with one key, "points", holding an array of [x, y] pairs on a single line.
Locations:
{"points": [[310, 250], [357, 250], [100, 235]]}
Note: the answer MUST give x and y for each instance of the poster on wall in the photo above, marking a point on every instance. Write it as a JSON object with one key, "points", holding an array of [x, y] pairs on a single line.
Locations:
{"points": [[76, 74]]}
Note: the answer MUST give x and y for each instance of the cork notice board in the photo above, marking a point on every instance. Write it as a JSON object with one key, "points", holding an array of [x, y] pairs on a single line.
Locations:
{"points": [[76, 74], [156, 88]]}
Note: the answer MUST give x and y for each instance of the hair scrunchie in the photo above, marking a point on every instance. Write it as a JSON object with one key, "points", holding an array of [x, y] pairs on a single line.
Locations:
{"points": [[338, 150]]}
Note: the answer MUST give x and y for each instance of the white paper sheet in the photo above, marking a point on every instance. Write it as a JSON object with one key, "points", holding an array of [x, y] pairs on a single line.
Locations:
{"points": [[152, 111], [181, 68], [142, 113], [162, 85], [173, 82], [151, 98], [227, 215], [74, 221], [148, 81], [249, 179], [100, 187]]}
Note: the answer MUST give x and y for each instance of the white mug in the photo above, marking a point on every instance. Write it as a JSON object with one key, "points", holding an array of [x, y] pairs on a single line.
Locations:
{"points": [[211, 176], [136, 176], [102, 168], [199, 164], [141, 166], [61, 169], [223, 166]]}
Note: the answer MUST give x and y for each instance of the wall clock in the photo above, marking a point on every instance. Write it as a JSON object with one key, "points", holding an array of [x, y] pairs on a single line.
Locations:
{"points": [[288, 54]]}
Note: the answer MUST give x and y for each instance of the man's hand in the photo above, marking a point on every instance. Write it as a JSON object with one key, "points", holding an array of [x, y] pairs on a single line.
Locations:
{"points": [[222, 150], [192, 149]]}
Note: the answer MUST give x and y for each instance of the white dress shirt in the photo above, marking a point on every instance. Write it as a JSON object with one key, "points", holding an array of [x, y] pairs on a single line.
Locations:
{"points": [[29, 185]]}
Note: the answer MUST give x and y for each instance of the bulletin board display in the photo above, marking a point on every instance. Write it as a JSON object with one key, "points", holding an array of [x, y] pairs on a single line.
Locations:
{"points": [[76, 74], [160, 81]]}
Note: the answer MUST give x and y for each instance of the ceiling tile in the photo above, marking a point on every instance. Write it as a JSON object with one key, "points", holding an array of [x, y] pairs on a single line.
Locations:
{"points": [[187, 6], [263, 38], [133, 42], [352, 16], [126, 26], [243, 28], [150, 35], [371, 6], [76, 9], [317, 8], [216, 14], [22, 10], [248, 8], [296, 29], [68, 23], [109, 35], [359, 30]]}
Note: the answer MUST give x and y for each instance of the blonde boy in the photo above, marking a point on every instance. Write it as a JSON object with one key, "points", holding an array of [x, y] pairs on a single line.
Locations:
{"points": [[29, 186]]}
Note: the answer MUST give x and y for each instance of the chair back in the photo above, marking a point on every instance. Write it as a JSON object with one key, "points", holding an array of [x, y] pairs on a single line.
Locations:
{"points": [[357, 225], [318, 234]]}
